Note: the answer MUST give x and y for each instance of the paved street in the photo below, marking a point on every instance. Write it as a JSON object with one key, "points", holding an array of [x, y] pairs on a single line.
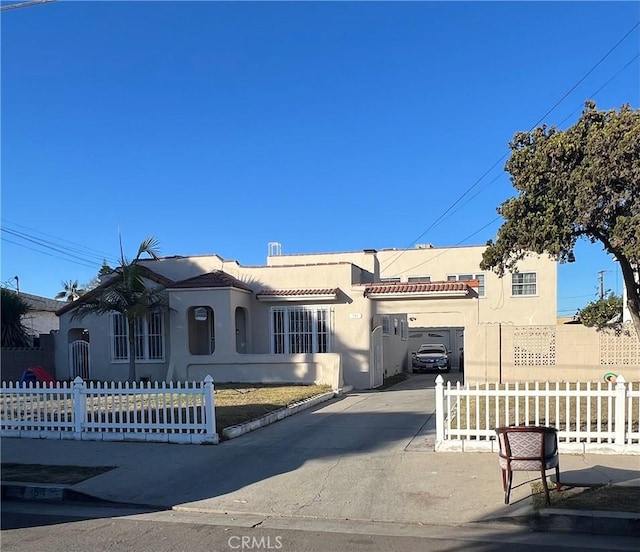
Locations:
{"points": [[37, 527]]}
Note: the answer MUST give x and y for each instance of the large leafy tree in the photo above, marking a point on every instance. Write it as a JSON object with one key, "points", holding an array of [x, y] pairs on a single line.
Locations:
{"points": [[13, 309], [602, 312], [583, 182], [71, 291], [127, 293]]}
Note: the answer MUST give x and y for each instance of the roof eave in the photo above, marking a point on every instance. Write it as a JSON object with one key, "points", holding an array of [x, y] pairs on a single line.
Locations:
{"points": [[298, 298], [417, 295]]}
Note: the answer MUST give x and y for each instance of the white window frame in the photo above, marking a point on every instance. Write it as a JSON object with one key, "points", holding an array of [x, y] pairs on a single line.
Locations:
{"points": [[404, 331], [300, 329], [527, 285], [467, 276], [390, 280], [150, 338], [419, 279]]}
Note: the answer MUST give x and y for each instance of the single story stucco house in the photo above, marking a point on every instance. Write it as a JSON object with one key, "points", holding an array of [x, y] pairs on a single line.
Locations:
{"points": [[345, 319]]}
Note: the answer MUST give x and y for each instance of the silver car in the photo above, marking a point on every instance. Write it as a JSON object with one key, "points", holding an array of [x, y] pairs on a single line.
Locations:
{"points": [[430, 357]]}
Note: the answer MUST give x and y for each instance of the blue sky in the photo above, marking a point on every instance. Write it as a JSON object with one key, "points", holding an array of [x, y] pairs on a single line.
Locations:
{"points": [[218, 127]]}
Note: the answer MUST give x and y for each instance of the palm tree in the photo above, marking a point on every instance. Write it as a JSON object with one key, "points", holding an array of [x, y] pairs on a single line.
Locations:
{"points": [[13, 309], [127, 294], [70, 291]]}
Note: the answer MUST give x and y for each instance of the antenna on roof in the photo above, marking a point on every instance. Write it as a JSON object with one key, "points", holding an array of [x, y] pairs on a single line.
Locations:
{"points": [[275, 249]]}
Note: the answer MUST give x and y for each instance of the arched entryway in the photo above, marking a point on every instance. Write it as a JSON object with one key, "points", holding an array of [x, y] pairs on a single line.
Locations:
{"points": [[79, 353]]}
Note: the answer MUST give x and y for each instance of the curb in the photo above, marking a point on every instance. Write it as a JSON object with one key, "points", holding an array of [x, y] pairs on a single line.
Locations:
{"points": [[240, 429], [44, 492], [594, 522]]}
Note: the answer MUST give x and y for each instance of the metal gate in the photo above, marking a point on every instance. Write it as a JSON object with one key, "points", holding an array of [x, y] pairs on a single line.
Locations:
{"points": [[79, 359], [376, 361]]}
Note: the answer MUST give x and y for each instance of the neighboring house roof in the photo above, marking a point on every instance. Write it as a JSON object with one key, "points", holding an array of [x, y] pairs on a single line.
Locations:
{"points": [[38, 303], [146, 272], [323, 294], [431, 289], [215, 279]]}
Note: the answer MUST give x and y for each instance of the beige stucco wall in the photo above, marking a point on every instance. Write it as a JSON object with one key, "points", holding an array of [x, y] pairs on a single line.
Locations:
{"points": [[577, 354], [321, 369], [498, 304], [351, 312]]}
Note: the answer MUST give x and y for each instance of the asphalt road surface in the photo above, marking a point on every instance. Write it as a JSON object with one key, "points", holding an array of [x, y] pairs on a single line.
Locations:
{"points": [[39, 527]]}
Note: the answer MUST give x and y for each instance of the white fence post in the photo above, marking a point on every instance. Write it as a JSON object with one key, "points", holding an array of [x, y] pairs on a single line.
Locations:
{"points": [[79, 406], [439, 410], [210, 409], [620, 405]]}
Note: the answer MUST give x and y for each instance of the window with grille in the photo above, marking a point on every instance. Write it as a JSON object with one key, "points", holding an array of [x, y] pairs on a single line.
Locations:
{"points": [[119, 333], [524, 283], [300, 330], [149, 337], [386, 325], [468, 277]]}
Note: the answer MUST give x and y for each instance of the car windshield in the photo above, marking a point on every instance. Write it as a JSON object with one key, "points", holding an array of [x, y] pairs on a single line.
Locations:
{"points": [[431, 350]]}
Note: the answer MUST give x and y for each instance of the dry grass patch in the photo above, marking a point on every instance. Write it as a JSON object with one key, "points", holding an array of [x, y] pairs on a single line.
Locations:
{"points": [[239, 403], [612, 498]]}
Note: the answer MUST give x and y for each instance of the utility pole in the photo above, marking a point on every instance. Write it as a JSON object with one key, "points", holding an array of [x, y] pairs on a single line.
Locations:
{"points": [[601, 282]]}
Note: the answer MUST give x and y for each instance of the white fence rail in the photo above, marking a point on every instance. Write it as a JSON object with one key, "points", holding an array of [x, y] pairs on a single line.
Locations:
{"points": [[158, 412], [589, 417]]}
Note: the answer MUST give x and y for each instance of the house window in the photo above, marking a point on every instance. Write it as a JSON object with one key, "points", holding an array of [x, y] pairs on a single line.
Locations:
{"points": [[119, 343], [149, 338], [300, 330], [419, 279], [404, 332], [468, 277], [390, 280], [524, 283], [386, 325]]}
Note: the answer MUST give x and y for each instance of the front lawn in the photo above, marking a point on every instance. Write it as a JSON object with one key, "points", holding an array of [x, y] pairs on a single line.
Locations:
{"points": [[237, 403]]}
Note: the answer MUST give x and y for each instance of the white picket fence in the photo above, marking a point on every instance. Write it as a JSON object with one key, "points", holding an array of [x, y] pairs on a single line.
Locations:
{"points": [[182, 412], [589, 417]]}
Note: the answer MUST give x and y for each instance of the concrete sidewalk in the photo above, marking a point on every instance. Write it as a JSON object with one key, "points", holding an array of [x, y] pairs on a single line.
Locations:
{"points": [[366, 456]]}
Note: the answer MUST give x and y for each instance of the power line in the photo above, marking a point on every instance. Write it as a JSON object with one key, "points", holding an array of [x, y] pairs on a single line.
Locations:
{"points": [[77, 250], [434, 223], [51, 246], [24, 4], [94, 265]]}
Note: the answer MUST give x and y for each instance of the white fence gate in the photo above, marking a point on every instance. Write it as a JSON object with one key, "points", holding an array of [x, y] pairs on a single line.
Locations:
{"points": [[376, 358], [589, 417], [79, 359]]}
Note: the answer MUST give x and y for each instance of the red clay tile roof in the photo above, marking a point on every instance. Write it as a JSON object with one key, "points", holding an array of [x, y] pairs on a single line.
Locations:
{"points": [[297, 292], [408, 289], [215, 279]]}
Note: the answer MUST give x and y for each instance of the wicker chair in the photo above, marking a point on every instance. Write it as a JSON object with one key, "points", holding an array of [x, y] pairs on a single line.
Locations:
{"points": [[528, 448]]}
